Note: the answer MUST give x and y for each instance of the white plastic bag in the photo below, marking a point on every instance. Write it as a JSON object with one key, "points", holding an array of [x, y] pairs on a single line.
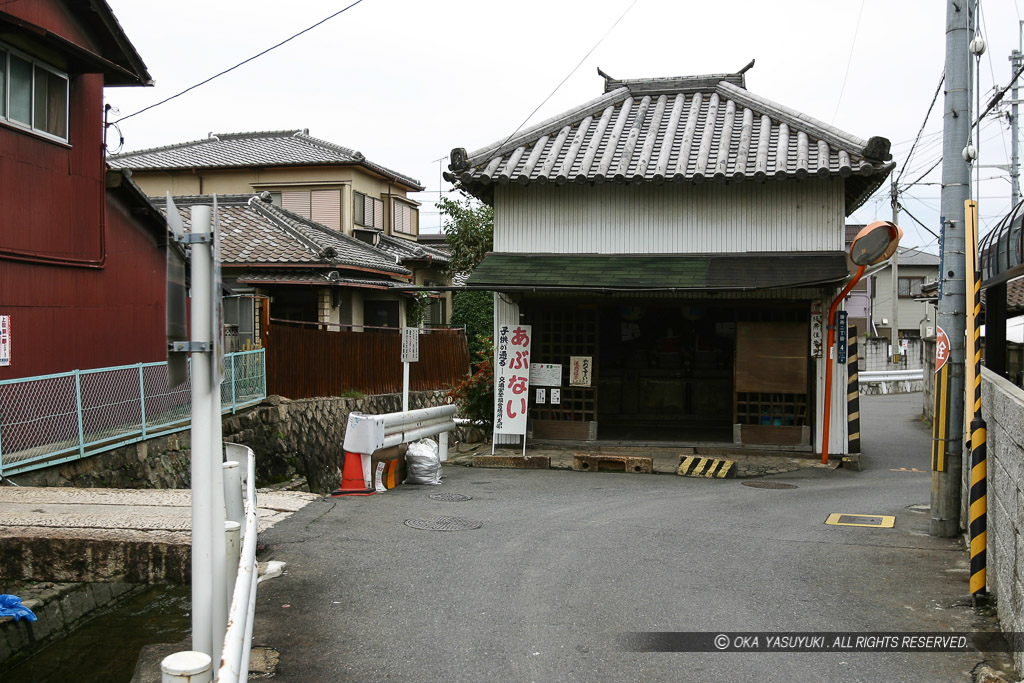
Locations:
{"points": [[422, 464]]}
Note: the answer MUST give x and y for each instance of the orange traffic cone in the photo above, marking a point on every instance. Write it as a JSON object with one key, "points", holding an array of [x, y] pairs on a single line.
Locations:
{"points": [[353, 482]]}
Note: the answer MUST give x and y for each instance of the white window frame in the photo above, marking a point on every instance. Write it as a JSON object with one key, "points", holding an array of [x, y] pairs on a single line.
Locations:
{"points": [[376, 203], [413, 226], [5, 116]]}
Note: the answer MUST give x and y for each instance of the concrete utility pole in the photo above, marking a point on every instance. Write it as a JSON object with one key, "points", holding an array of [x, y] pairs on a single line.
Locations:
{"points": [[1015, 61], [895, 336], [947, 453]]}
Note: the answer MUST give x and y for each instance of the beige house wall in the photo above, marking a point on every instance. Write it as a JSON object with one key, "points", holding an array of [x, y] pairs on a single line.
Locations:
{"points": [[347, 179]]}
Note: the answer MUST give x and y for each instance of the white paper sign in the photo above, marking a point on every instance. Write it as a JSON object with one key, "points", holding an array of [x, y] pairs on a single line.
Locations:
{"points": [[380, 487], [511, 378], [5, 340], [410, 344], [581, 369], [556, 397], [546, 374], [541, 396]]}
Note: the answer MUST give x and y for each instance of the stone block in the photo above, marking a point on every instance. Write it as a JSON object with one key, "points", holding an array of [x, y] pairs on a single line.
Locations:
{"points": [[518, 462], [602, 462]]}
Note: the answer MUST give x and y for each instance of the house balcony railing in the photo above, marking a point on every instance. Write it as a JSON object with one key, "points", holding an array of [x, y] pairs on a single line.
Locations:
{"points": [[53, 419]]}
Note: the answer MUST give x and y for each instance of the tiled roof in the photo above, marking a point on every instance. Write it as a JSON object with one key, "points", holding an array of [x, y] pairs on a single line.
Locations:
{"points": [[915, 257], [261, 149], [255, 232], [691, 129], [750, 271], [311, 277], [407, 250]]}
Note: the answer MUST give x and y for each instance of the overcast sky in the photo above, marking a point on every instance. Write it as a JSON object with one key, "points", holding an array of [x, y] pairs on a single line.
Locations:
{"points": [[405, 81]]}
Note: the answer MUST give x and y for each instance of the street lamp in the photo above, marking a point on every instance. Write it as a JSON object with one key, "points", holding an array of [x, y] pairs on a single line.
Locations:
{"points": [[873, 244]]}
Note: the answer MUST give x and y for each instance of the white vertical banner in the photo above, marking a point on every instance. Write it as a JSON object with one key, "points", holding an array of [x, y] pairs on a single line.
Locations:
{"points": [[5, 340], [512, 379]]}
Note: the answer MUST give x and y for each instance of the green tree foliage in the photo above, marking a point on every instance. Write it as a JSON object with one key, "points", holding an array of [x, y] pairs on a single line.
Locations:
{"points": [[469, 231], [475, 310], [475, 394]]}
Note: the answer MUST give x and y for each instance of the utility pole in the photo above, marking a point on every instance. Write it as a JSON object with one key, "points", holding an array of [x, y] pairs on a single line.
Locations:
{"points": [[895, 336], [947, 449], [1015, 61]]}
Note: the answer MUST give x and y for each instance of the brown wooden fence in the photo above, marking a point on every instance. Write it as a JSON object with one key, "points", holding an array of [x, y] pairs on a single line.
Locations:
{"points": [[308, 362]]}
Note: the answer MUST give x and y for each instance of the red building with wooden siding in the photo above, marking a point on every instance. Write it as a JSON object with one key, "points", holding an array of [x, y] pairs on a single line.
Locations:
{"points": [[82, 281]]}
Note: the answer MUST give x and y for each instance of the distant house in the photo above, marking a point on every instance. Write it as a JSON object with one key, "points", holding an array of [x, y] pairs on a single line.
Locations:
{"points": [[82, 274], [685, 236], [913, 317], [315, 180], [313, 274]]}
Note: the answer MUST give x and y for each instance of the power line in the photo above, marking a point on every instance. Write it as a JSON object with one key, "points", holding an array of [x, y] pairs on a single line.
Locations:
{"points": [[519, 127], [924, 123], [849, 61], [242, 63]]}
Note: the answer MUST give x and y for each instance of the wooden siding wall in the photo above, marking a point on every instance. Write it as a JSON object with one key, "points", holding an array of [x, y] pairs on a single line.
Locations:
{"points": [[65, 318], [671, 219], [51, 194], [307, 362]]}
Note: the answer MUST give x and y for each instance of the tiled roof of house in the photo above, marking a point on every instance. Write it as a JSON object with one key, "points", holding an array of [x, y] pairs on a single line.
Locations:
{"points": [[915, 257], [628, 272], [690, 129], [312, 277], [261, 149], [407, 250], [256, 232]]}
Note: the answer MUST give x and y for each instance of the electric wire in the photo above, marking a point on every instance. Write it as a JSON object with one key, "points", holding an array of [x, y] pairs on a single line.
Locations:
{"points": [[849, 61], [910, 154], [242, 63], [598, 43]]}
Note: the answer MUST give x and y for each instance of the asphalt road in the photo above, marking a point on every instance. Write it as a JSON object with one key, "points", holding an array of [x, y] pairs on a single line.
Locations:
{"points": [[564, 564]]}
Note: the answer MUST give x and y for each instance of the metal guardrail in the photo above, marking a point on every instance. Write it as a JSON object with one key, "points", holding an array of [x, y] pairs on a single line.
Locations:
{"points": [[891, 376], [52, 419]]}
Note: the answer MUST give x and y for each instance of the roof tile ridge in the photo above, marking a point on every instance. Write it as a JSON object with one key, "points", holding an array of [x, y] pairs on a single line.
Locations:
{"points": [[816, 127], [302, 135], [162, 148], [258, 134], [283, 226], [325, 232], [550, 125]]}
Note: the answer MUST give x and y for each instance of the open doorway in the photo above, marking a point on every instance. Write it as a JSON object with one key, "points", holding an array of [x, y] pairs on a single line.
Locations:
{"points": [[665, 372]]}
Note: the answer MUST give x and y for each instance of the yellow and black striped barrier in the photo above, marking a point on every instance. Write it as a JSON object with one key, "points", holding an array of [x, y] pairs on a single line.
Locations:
{"points": [[695, 466], [979, 505], [853, 393], [940, 420]]}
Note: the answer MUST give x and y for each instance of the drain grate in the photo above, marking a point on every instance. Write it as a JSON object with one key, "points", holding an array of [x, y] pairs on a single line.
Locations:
{"points": [[450, 497], [768, 485], [443, 524]]}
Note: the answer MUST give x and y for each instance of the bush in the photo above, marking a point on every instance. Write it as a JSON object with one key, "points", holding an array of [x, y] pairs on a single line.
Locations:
{"points": [[475, 310], [475, 394]]}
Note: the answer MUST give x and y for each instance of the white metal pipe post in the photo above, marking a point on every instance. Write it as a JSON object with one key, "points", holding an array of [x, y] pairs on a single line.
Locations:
{"points": [[405, 387], [201, 440], [220, 598]]}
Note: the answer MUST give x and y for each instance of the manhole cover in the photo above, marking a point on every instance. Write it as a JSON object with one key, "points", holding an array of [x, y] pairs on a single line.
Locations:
{"points": [[450, 497], [768, 485], [443, 524]]}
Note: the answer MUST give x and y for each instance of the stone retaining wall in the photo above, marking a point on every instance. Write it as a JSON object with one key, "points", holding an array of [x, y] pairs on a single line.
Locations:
{"points": [[1003, 405], [290, 439], [59, 608]]}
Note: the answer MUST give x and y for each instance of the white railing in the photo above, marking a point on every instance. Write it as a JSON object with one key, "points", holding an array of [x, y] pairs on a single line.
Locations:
{"points": [[196, 667], [238, 637]]}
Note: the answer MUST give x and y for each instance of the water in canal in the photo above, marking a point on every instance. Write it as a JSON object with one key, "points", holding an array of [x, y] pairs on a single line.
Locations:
{"points": [[107, 646]]}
